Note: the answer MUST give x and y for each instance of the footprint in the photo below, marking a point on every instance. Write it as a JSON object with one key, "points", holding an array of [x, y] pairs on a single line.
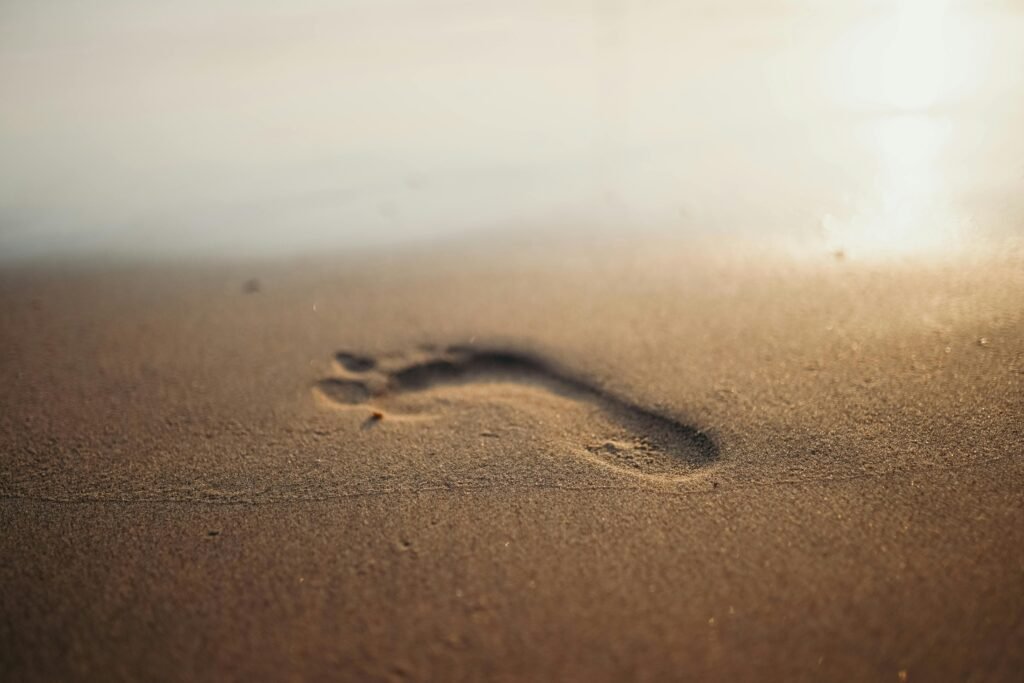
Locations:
{"points": [[632, 439]]}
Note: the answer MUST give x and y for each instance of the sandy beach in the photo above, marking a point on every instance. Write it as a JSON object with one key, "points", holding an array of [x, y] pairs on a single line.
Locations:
{"points": [[603, 466], [537, 341]]}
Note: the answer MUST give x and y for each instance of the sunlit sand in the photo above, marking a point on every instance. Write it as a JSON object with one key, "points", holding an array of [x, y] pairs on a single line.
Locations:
{"points": [[511, 341]]}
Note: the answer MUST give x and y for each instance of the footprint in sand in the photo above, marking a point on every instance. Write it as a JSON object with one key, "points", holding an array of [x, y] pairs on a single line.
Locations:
{"points": [[616, 433]]}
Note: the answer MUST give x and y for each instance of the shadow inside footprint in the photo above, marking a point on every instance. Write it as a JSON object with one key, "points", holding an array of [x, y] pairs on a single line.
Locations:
{"points": [[354, 362], [647, 443], [344, 390]]}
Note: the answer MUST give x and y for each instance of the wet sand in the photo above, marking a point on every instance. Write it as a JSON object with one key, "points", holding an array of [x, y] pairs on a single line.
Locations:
{"points": [[643, 460]]}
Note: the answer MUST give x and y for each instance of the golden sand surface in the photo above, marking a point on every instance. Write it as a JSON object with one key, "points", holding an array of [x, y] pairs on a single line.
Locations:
{"points": [[629, 460]]}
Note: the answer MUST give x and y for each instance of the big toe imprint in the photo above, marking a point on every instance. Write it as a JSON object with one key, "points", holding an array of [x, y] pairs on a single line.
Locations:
{"points": [[611, 432]]}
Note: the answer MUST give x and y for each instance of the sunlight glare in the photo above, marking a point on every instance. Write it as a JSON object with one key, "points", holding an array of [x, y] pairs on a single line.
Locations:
{"points": [[907, 212], [917, 54], [902, 68]]}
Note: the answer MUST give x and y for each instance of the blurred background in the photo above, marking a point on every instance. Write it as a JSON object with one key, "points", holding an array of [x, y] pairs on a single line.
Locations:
{"points": [[233, 128]]}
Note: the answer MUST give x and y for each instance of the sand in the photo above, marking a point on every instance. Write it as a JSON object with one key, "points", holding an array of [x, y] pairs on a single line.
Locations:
{"points": [[638, 460]]}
